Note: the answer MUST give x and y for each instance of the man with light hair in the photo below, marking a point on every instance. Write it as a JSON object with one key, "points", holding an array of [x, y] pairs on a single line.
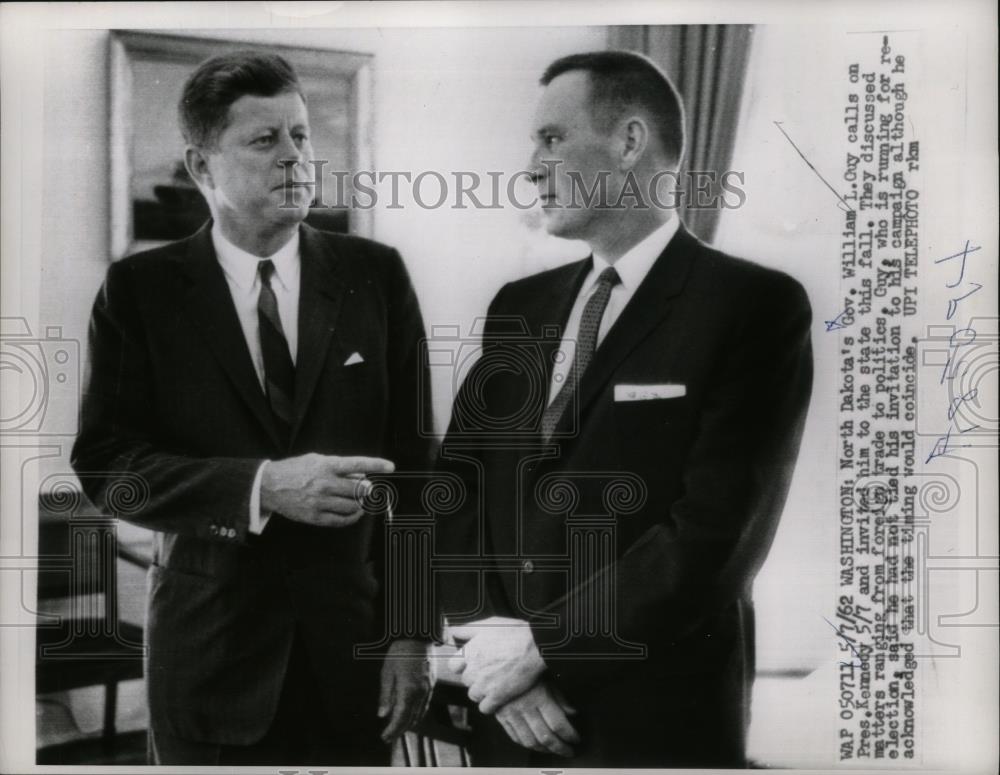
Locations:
{"points": [[630, 493]]}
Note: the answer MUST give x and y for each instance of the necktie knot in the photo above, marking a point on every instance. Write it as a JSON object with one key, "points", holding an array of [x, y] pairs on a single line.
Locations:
{"points": [[265, 269], [609, 277]]}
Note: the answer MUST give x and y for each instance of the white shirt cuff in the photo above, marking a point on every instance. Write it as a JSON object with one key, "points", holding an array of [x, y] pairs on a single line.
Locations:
{"points": [[257, 519]]}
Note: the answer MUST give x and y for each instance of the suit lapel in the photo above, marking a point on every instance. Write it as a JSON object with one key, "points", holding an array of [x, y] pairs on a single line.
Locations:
{"points": [[209, 302], [646, 309], [320, 296]]}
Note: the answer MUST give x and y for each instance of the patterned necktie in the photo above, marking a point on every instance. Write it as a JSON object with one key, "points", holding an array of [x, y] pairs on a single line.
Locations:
{"points": [[586, 343], [279, 371]]}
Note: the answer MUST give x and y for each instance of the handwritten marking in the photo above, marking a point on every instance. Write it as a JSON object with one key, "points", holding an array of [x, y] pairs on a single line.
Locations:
{"points": [[964, 254], [848, 640], [810, 165], [962, 337], [836, 324], [953, 303]]}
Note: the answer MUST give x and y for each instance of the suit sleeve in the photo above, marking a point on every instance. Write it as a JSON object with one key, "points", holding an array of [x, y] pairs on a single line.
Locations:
{"points": [[703, 554], [122, 466]]}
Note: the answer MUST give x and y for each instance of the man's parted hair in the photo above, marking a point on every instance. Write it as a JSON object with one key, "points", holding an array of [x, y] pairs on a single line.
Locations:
{"points": [[621, 81], [221, 80]]}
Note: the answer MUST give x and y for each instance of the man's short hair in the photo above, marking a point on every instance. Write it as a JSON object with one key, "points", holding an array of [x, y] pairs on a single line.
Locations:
{"points": [[621, 81], [221, 80]]}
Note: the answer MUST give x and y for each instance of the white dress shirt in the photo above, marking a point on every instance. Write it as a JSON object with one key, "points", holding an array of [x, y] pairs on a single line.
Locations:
{"points": [[632, 268], [243, 278]]}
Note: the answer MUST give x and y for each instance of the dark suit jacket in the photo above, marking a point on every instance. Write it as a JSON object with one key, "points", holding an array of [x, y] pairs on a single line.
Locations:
{"points": [[666, 507], [174, 410]]}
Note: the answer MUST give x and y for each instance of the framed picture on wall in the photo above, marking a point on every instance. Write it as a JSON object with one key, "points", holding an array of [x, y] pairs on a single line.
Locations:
{"points": [[153, 200]]}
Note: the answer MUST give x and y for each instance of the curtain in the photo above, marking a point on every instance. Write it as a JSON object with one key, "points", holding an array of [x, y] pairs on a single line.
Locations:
{"points": [[707, 64]]}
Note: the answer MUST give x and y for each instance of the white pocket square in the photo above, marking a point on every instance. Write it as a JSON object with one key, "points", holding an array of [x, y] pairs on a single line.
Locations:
{"points": [[355, 358], [648, 392]]}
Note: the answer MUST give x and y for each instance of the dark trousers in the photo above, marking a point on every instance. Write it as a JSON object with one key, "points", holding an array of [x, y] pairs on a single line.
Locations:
{"points": [[303, 732]]}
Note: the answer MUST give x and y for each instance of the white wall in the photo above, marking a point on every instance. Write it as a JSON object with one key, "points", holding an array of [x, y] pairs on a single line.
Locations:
{"points": [[789, 221], [792, 220]]}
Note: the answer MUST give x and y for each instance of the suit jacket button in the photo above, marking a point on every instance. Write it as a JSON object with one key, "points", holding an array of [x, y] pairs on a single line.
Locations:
{"points": [[213, 529], [232, 532], [528, 566]]}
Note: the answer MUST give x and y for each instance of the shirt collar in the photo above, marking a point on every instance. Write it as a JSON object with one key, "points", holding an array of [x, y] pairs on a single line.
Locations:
{"points": [[240, 267], [634, 265]]}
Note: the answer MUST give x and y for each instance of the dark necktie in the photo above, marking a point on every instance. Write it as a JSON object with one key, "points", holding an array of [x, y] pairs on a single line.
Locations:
{"points": [[279, 371], [586, 343]]}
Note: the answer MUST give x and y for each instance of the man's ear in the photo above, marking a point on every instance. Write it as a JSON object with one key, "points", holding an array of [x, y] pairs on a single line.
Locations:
{"points": [[197, 166], [634, 135]]}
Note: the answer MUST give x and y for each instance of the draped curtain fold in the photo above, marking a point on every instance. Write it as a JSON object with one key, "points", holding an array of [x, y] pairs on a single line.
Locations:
{"points": [[707, 64]]}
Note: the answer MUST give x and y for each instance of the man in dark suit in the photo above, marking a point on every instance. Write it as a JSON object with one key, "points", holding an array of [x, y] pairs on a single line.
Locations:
{"points": [[626, 441], [252, 377]]}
